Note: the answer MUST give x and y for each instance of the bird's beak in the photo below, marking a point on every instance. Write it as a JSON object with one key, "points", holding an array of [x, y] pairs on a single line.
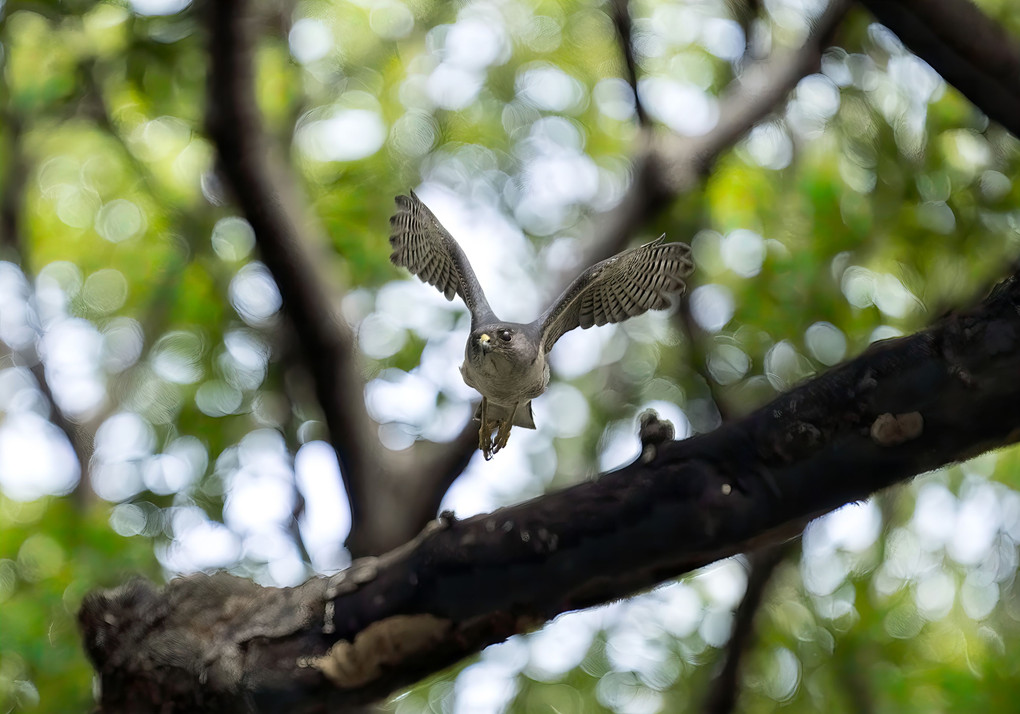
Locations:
{"points": [[484, 342]]}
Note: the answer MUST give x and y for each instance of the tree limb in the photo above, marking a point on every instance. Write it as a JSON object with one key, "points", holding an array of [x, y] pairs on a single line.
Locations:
{"points": [[903, 407], [269, 198], [970, 50], [668, 165], [724, 689], [624, 32], [15, 174], [387, 505]]}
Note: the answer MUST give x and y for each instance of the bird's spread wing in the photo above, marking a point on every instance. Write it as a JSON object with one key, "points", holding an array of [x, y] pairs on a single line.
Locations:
{"points": [[423, 246], [620, 287]]}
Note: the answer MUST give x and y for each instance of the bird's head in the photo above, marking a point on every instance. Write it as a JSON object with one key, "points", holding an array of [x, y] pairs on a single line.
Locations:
{"points": [[507, 340]]}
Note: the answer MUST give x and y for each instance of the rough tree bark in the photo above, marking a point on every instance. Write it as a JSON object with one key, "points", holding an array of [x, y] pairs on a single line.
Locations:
{"points": [[903, 407]]}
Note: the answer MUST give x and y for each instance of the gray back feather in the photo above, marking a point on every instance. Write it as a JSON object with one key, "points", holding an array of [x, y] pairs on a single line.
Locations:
{"points": [[626, 285], [423, 246]]}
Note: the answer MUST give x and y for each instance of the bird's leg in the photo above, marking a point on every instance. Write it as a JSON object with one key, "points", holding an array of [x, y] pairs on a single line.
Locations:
{"points": [[485, 431], [503, 435]]}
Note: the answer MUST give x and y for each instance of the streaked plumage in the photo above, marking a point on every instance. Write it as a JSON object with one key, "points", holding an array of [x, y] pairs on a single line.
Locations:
{"points": [[506, 362]]}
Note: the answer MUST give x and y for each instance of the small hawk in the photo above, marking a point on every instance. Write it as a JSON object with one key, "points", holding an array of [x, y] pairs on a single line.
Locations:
{"points": [[507, 361]]}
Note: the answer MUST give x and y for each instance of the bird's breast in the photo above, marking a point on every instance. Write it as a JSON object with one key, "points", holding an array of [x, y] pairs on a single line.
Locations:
{"points": [[505, 381]]}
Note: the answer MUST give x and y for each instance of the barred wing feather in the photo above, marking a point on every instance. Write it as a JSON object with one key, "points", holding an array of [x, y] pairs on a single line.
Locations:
{"points": [[626, 285], [423, 246]]}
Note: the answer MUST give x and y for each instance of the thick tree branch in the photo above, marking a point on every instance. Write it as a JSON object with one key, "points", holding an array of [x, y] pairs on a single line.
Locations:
{"points": [[970, 50], [903, 407], [668, 165]]}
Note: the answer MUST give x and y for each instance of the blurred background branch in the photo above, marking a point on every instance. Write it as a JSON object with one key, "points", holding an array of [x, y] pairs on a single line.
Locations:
{"points": [[669, 165], [724, 691], [625, 34], [971, 51], [392, 496], [15, 174], [294, 254], [659, 162]]}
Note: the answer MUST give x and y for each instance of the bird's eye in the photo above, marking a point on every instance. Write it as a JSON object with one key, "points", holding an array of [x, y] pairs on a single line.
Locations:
{"points": [[504, 335]]}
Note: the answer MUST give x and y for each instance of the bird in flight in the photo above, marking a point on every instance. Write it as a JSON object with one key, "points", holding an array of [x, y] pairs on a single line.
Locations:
{"points": [[506, 362]]}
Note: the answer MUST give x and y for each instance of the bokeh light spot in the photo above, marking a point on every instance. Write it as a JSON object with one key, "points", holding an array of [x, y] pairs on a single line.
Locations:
{"points": [[120, 220], [105, 291], [233, 238], [712, 306], [177, 357], [254, 294], [310, 40]]}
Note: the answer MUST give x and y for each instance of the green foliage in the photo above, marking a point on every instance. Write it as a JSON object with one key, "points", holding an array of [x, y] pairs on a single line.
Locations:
{"points": [[53, 551]]}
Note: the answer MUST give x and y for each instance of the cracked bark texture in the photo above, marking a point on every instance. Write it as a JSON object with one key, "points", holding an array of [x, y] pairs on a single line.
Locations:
{"points": [[224, 644]]}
